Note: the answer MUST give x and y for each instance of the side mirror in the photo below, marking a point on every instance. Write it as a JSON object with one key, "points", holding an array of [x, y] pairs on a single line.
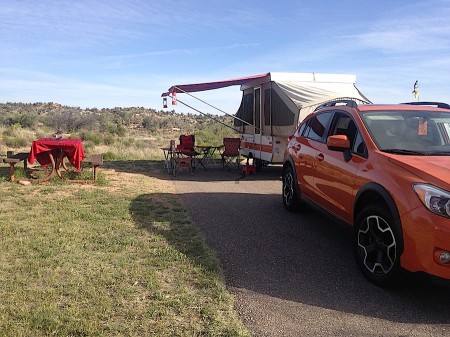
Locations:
{"points": [[340, 143]]}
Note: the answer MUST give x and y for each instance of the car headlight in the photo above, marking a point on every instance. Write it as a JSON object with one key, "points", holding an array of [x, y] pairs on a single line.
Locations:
{"points": [[435, 199]]}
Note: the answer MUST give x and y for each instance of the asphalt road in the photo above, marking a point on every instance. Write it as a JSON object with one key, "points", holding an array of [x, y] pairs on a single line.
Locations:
{"points": [[293, 274]]}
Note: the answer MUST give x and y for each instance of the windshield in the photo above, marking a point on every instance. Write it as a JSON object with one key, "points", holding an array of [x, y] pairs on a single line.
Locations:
{"points": [[410, 131]]}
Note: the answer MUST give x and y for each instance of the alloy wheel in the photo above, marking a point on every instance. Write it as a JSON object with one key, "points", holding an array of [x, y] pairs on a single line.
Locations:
{"points": [[288, 188], [377, 245]]}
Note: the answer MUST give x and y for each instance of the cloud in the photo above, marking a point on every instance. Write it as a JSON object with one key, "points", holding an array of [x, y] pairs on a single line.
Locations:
{"points": [[189, 51], [422, 27]]}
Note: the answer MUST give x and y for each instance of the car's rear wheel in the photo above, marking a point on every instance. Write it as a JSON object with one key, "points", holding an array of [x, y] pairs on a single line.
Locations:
{"points": [[376, 245], [291, 199]]}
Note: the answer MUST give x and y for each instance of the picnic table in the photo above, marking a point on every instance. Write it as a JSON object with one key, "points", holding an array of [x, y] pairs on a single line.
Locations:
{"points": [[51, 154], [46, 150], [53, 151]]}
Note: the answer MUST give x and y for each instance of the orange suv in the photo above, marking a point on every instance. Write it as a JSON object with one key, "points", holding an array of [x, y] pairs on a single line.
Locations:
{"points": [[385, 171]]}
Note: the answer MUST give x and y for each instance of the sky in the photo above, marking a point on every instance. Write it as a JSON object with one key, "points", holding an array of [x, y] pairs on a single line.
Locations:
{"points": [[126, 53]]}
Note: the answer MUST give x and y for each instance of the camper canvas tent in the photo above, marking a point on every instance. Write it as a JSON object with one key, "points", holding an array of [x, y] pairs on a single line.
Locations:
{"points": [[273, 104]]}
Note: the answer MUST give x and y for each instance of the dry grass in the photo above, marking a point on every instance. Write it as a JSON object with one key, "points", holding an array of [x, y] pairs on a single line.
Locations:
{"points": [[117, 259]]}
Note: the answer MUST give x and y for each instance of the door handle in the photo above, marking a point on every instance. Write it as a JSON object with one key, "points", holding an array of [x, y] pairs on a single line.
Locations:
{"points": [[320, 157], [297, 147]]}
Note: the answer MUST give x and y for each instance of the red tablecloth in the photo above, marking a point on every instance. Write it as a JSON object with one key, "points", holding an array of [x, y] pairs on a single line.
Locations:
{"points": [[73, 148]]}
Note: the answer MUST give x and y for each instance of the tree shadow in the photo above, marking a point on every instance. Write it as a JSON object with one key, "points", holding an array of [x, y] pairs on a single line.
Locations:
{"points": [[162, 215]]}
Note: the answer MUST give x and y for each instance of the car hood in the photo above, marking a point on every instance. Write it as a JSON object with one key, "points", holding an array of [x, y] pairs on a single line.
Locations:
{"points": [[432, 169]]}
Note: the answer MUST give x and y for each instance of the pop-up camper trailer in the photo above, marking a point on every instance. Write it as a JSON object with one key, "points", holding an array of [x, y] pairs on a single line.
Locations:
{"points": [[274, 104]]}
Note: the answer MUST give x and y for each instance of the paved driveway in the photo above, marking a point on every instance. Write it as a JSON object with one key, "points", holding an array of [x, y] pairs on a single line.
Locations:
{"points": [[294, 274]]}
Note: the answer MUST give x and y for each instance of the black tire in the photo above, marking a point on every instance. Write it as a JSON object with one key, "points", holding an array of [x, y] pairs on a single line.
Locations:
{"points": [[258, 165], [291, 198], [376, 245]]}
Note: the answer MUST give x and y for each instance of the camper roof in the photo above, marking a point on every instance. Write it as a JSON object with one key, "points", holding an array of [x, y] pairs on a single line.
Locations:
{"points": [[304, 89], [300, 77]]}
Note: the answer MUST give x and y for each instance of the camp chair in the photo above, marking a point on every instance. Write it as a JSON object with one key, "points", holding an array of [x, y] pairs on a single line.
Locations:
{"points": [[185, 154], [182, 162], [230, 154], [186, 146]]}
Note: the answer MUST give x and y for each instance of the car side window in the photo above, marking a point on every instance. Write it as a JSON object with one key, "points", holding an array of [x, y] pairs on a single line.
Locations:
{"points": [[316, 126], [359, 147], [344, 125], [300, 129]]}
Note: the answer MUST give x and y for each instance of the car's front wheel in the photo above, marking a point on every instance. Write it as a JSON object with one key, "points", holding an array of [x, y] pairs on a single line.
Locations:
{"points": [[291, 199], [376, 245]]}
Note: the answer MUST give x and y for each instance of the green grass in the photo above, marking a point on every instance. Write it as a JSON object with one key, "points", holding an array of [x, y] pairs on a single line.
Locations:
{"points": [[121, 258]]}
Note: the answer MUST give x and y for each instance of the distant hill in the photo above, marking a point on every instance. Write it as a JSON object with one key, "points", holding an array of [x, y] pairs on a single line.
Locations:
{"points": [[70, 119]]}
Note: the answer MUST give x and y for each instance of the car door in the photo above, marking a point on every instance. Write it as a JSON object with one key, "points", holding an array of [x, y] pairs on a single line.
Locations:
{"points": [[335, 177], [304, 150]]}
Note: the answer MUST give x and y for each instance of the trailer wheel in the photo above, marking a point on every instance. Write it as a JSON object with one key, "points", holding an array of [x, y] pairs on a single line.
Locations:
{"points": [[258, 165]]}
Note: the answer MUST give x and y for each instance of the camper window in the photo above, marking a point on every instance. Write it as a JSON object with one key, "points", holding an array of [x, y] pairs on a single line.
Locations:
{"points": [[267, 107], [281, 114], [245, 111]]}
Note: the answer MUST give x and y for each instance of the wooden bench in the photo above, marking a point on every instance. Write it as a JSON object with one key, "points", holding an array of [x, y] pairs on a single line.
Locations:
{"points": [[95, 161], [13, 159]]}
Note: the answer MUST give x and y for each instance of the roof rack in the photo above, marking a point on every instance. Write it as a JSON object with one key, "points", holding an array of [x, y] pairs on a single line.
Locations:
{"points": [[437, 104], [338, 102]]}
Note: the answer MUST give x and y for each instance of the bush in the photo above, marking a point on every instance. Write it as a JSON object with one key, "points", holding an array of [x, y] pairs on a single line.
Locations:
{"points": [[24, 119], [93, 137], [128, 142], [15, 136], [16, 142], [108, 156], [109, 139]]}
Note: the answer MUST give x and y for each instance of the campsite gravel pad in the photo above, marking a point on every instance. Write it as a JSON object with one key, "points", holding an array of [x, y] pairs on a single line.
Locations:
{"points": [[293, 274]]}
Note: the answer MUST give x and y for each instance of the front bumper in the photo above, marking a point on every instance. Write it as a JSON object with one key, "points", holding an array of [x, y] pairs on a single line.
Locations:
{"points": [[425, 236]]}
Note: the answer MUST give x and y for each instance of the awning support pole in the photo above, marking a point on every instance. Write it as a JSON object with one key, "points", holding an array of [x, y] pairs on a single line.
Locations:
{"points": [[208, 115], [212, 106]]}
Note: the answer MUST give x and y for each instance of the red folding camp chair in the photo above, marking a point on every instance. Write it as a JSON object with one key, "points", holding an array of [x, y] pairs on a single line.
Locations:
{"points": [[230, 154], [185, 154]]}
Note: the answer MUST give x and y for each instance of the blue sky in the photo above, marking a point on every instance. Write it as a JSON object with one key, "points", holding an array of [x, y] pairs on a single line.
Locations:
{"points": [[124, 53]]}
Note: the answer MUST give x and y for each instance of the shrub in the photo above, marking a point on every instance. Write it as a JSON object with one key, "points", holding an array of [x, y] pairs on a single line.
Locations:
{"points": [[93, 137], [15, 136], [109, 139], [16, 142], [109, 156]]}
